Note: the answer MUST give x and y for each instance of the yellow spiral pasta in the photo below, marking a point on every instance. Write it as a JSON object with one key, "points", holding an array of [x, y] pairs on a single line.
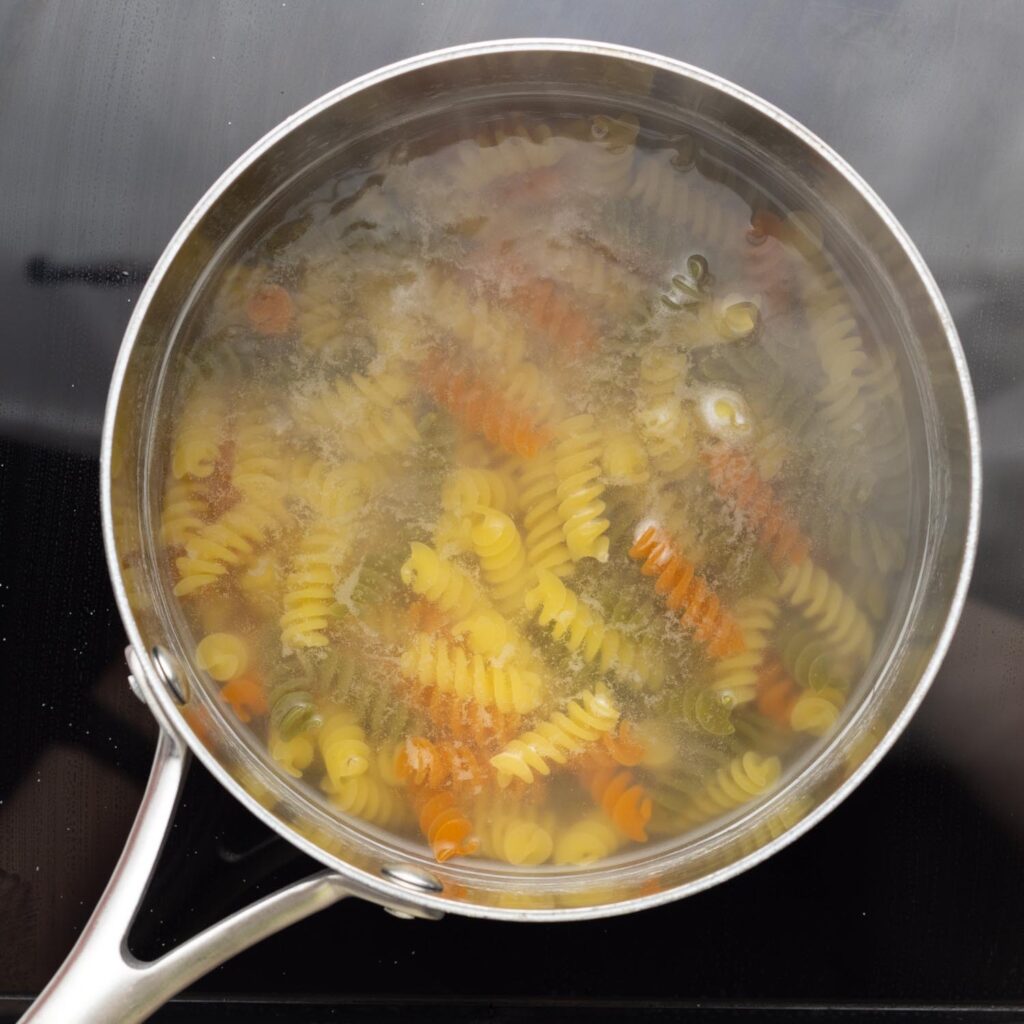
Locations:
{"points": [[368, 797], [499, 151], [442, 583], [511, 832], [293, 755], [544, 537], [624, 460], [434, 661], [578, 468], [816, 711], [224, 655], [258, 476], [588, 840], [499, 548], [184, 513], [666, 424], [735, 677], [581, 629], [823, 603], [467, 488], [744, 778], [333, 490], [343, 747], [365, 417], [309, 588], [260, 470], [583, 722], [222, 544], [200, 431], [834, 331]]}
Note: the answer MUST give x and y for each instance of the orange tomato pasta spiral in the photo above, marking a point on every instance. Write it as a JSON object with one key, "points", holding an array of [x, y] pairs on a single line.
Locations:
{"points": [[683, 587]]}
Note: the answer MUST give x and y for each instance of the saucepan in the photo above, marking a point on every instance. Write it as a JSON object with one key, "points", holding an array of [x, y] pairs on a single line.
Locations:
{"points": [[100, 981]]}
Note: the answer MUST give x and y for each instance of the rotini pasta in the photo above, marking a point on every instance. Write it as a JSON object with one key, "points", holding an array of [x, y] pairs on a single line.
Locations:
{"points": [[436, 662], [343, 747], [499, 151], [581, 629], [366, 796], [624, 800], [591, 839], [447, 830], [499, 548], [224, 655], [743, 779], [735, 478], [309, 588], [544, 536], [735, 677], [513, 834], [483, 411], [437, 764], [822, 602], [442, 583], [184, 513], [579, 491], [199, 435], [682, 587], [564, 733]]}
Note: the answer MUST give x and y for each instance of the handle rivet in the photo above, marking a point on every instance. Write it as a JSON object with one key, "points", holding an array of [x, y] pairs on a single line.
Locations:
{"points": [[412, 878], [170, 674]]}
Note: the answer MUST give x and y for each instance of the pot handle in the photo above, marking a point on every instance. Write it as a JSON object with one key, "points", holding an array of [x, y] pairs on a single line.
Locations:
{"points": [[100, 981]]}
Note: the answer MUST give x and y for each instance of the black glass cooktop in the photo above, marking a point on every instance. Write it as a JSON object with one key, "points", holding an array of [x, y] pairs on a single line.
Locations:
{"points": [[114, 117]]}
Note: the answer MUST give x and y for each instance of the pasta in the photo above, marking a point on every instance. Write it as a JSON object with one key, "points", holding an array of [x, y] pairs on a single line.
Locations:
{"points": [[224, 655], [423, 762], [735, 677], [309, 589], [533, 487], [744, 778], [542, 524], [293, 755], [499, 548], [591, 839], [436, 662], [579, 490], [486, 330], [184, 512], [513, 834], [499, 151], [682, 587], [343, 747], [581, 629], [565, 732], [821, 600], [197, 441], [426, 573], [734, 477], [624, 800], [447, 830], [369, 798], [483, 411]]}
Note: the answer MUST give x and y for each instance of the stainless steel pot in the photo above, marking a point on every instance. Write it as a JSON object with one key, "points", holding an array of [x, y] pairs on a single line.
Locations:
{"points": [[100, 981]]}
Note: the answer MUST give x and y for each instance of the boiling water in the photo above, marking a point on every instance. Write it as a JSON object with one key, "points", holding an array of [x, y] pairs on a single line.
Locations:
{"points": [[538, 488]]}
